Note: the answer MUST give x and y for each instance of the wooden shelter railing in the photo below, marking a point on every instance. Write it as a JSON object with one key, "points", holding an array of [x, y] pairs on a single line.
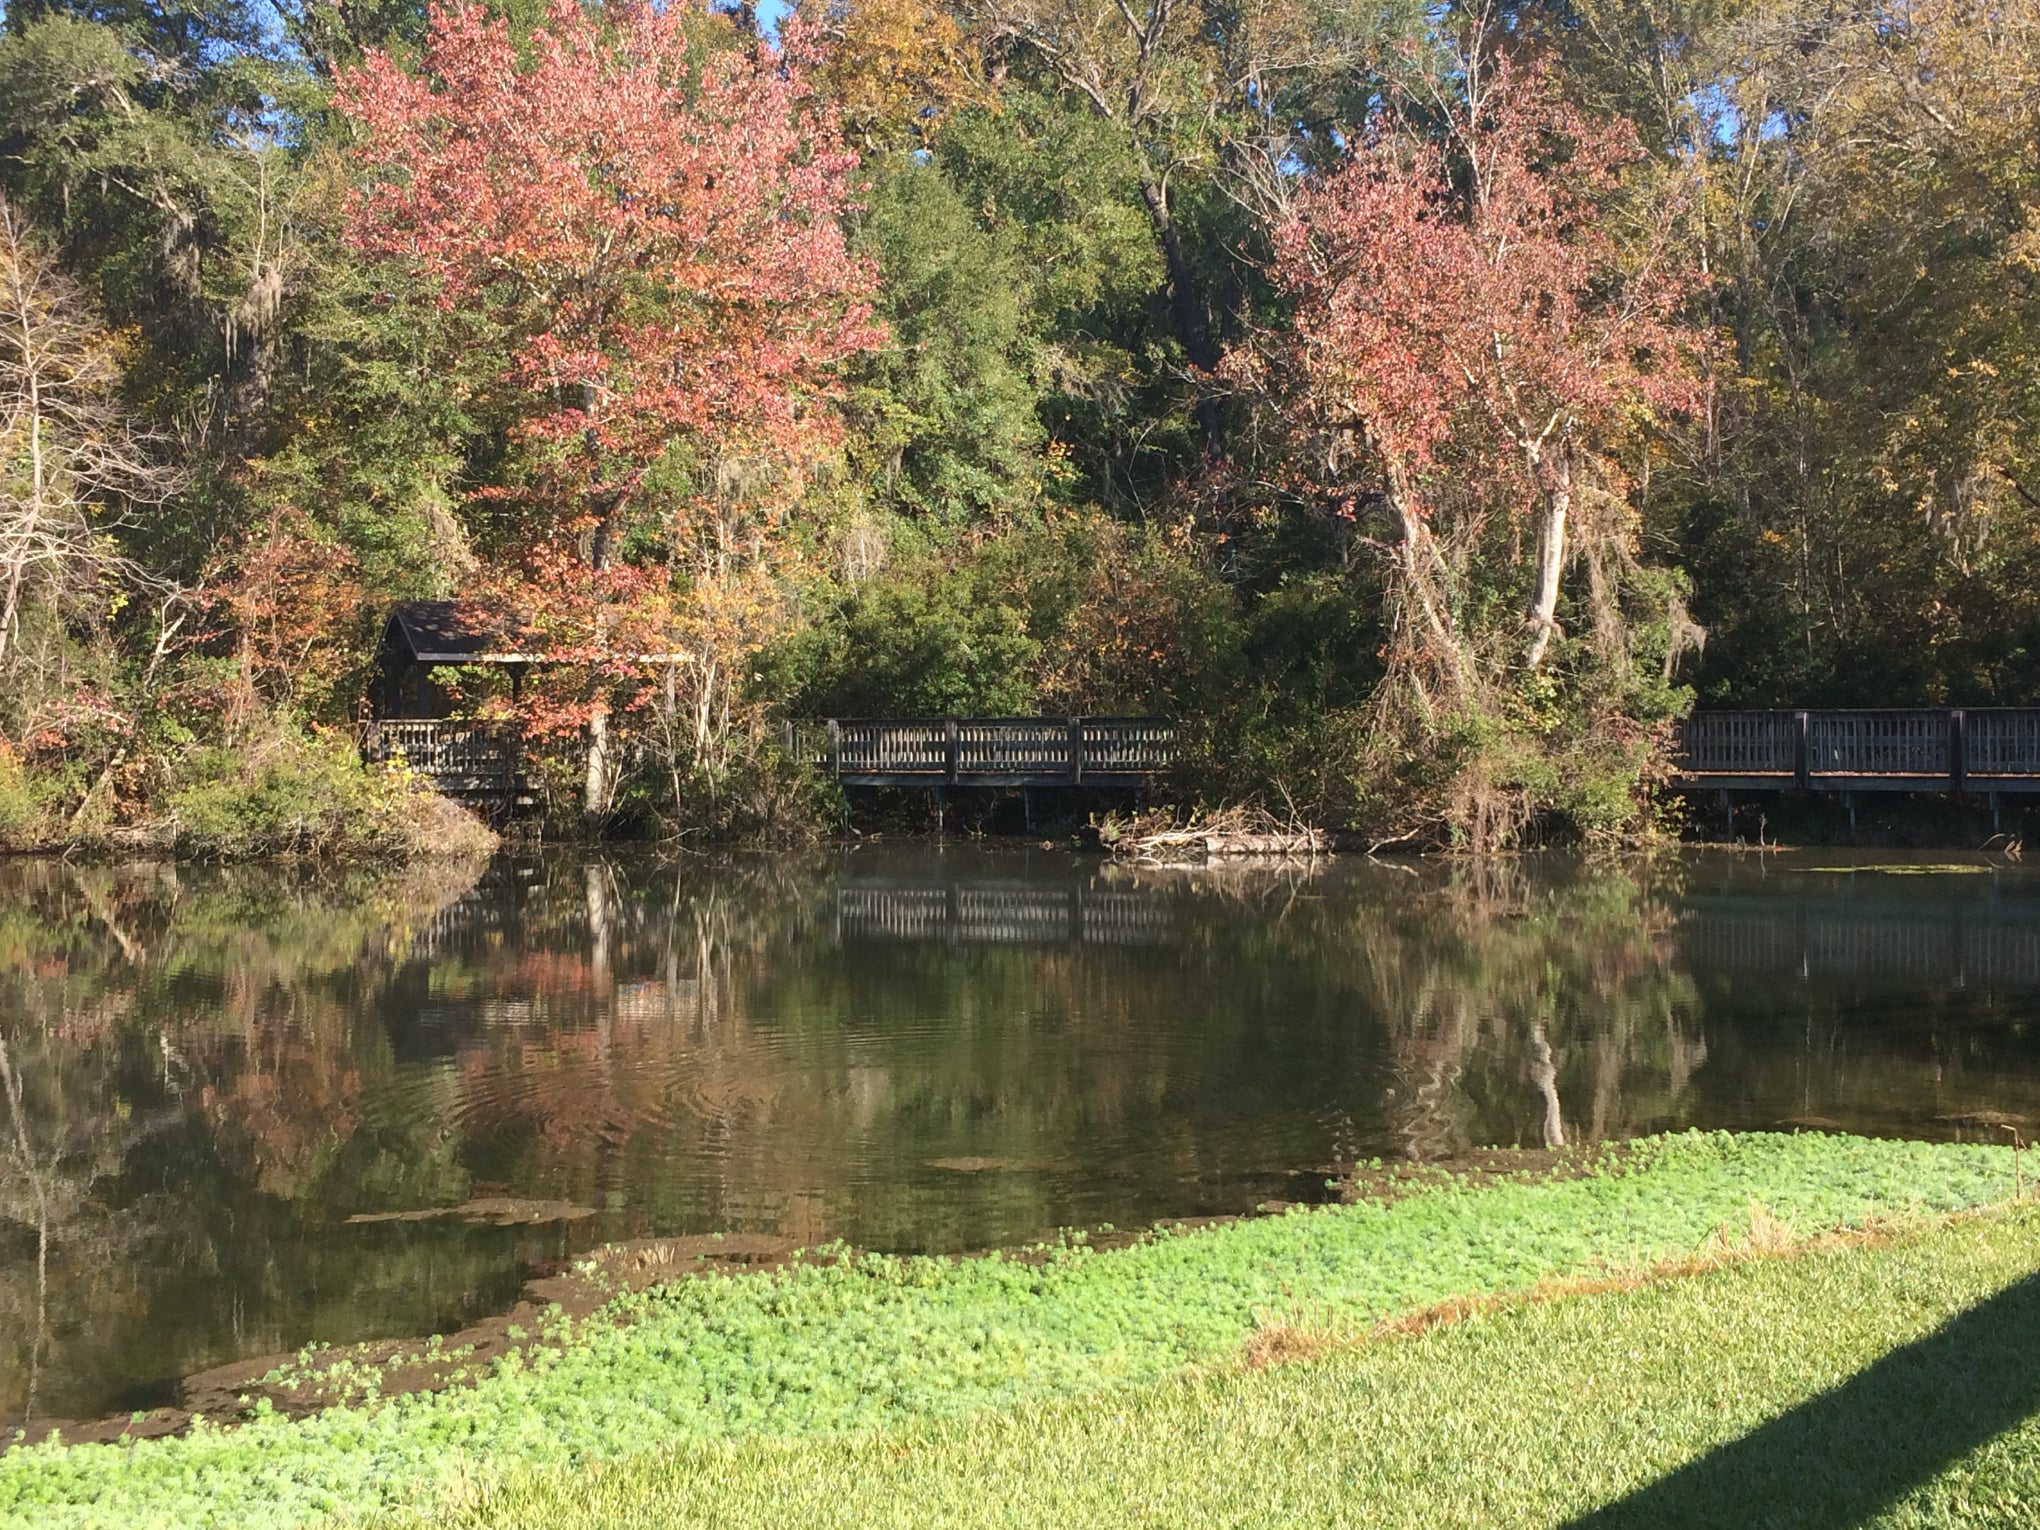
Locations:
{"points": [[1881, 749], [990, 751], [459, 758]]}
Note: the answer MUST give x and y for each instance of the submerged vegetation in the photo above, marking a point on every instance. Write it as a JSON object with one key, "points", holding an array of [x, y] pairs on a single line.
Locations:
{"points": [[1424, 404], [846, 1342]]}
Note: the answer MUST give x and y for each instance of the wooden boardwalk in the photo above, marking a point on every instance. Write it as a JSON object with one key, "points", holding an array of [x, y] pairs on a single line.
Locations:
{"points": [[479, 761], [992, 751], [1975, 751]]}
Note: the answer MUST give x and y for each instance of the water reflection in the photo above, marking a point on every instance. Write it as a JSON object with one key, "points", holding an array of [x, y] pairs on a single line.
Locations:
{"points": [[228, 1095]]}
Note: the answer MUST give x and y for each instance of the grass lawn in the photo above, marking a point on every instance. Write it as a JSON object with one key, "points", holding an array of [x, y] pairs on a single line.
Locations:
{"points": [[841, 1349], [1895, 1384]]}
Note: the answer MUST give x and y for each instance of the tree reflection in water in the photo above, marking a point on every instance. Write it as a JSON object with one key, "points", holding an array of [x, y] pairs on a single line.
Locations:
{"points": [[207, 1074]]}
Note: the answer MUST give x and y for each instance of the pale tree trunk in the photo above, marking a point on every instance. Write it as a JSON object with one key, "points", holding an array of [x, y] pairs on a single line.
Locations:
{"points": [[1427, 584], [596, 798], [595, 795], [1557, 492], [21, 547]]}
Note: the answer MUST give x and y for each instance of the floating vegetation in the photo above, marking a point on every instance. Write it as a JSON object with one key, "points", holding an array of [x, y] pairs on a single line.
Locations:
{"points": [[1904, 869], [490, 1210]]}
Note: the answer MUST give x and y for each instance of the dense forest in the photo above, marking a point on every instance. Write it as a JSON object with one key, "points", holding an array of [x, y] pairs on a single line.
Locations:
{"points": [[1424, 404]]}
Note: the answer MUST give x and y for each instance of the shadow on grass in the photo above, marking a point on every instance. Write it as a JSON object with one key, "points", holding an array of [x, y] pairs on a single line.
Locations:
{"points": [[1843, 1457]]}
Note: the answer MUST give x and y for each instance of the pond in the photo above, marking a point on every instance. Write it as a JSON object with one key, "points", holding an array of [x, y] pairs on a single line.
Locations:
{"points": [[249, 1109]]}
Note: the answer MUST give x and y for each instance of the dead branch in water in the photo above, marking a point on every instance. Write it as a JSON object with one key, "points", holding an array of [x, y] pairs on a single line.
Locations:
{"points": [[1161, 837]]}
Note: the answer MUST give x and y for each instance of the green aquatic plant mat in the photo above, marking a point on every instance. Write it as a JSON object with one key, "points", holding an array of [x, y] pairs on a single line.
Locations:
{"points": [[856, 1342], [1887, 1384]]}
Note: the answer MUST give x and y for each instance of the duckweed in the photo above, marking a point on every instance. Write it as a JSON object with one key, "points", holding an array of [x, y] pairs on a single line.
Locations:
{"points": [[845, 1342]]}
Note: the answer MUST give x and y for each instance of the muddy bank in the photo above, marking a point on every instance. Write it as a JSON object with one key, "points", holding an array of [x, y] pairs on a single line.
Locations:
{"points": [[301, 1382]]}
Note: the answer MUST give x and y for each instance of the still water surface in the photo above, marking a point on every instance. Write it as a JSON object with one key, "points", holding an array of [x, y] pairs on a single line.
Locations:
{"points": [[224, 1090]]}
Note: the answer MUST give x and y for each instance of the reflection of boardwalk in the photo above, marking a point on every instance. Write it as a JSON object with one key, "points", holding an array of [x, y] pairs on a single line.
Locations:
{"points": [[1953, 947], [992, 915]]}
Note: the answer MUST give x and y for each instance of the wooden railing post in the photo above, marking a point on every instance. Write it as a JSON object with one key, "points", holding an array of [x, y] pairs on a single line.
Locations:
{"points": [[955, 738], [1076, 751], [1958, 750], [1802, 755], [836, 749]]}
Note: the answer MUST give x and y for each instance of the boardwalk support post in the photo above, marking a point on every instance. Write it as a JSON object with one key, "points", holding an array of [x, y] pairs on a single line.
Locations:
{"points": [[1958, 750], [1802, 752], [835, 749], [954, 741], [1076, 751]]}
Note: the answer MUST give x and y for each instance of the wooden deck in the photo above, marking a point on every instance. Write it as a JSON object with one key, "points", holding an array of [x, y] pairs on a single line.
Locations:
{"points": [[1976, 751], [471, 761], [992, 751]]}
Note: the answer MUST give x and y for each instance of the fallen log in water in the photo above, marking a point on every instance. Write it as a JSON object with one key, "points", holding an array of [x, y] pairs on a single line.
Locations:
{"points": [[1235, 833]]}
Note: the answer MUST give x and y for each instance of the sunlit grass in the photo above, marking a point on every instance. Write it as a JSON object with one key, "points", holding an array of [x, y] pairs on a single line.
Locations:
{"points": [[842, 1345], [1532, 1416]]}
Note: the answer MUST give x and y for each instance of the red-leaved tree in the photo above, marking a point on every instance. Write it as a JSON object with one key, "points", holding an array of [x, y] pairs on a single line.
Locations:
{"points": [[1467, 326], [654, 225]]}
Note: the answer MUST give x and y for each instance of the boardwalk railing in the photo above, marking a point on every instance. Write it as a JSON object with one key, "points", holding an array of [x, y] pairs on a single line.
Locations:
{"points": [[991, 751], [458, 758], [1923, 750]]}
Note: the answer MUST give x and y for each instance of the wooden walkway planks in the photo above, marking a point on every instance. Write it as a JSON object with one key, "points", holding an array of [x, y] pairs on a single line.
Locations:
{"points": [[1972, 750]]}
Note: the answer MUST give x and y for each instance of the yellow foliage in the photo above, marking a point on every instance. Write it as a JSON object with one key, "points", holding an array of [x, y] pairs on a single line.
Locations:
{"points": [[894, 68]]}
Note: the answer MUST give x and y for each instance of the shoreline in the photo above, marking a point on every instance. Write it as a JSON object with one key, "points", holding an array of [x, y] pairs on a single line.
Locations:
{"points": [[318, 1376], [838, 1341]]}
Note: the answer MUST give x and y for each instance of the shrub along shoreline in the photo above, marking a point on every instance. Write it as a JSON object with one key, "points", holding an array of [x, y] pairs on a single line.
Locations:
{"points": [[282, 796], [840, 1342]]}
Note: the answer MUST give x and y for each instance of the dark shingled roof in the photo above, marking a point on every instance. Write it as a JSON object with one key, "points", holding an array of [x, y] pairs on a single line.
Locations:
{"points": [[445, 632], [458, 632]]}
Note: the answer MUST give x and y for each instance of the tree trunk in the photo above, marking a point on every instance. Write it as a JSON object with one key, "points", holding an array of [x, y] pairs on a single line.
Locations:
{"points": [[1543, 619], [19, 556], [1186, 305], [595, 796], [1426, 581], [596, 800]]}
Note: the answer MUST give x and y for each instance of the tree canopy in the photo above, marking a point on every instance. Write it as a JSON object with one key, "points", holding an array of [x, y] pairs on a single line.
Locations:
{"points": [[1432, 402]]}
